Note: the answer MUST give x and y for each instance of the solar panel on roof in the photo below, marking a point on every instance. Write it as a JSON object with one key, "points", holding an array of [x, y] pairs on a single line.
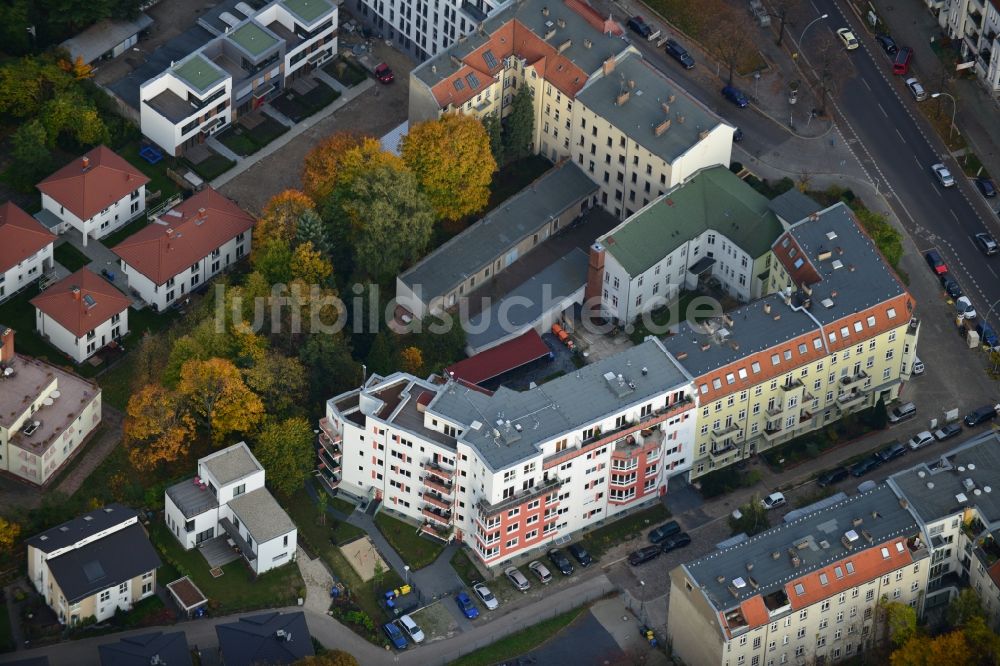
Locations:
{"points": [[93, 571], [89, 301], [491, 60], [458, 84], [473, 81]]}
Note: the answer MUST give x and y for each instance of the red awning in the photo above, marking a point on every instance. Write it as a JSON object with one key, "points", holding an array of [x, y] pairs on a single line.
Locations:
{"points": [[500, 359]]}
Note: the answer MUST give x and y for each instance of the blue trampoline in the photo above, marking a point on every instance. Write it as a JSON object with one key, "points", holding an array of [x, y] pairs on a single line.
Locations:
{"points": [[150, 154]]}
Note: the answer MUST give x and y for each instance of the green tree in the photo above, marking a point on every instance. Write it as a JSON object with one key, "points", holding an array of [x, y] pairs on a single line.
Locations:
{"points": [[312, 229], [383, 353], [753, 519], [322, 503], [273, 259], [964, 607], [27, 84], [519, 130], [331, 368], [30, 153], [494, 130], [280, 382], [69, 114], [900, 622], [285, 450], [441, 341]]}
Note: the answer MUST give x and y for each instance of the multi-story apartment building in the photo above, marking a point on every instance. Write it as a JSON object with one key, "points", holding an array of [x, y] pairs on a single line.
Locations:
{"points": [[185, 247], [227, 500], [713, 225], [596, 101], [96, 195], [248, 63], [807, 591], [25, 250], [958, 510], [46, 414], [93, 566], [837, 335], [507, 472], [976, 25]]}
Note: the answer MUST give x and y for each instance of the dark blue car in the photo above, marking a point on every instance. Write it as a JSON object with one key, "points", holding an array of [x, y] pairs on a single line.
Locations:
{"points": [[736, 96], [465, 604], [394, 635]]}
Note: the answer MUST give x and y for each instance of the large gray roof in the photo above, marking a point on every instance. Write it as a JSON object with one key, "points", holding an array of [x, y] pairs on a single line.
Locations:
{"points": [[933, 487], [499, 231], [103, 36], [826, 526], [560, 406], [231, 464], [81, 527], [262, 515], [143, 650], [254, 639], [639, 116], [793, 206]]}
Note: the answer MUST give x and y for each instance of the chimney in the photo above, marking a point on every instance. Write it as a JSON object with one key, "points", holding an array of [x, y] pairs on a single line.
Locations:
{"points": [[767, 308], [545, 11], [587, 43], [86, 162], [631, 84], [561, 22], [622, 98], [6, 344], [76, 293], [609, 65], [665, 107], [662, 127]]}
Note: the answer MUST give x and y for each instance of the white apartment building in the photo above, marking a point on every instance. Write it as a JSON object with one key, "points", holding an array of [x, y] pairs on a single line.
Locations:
{"points": [[247, 64], [227, 500], [94, 565], [185, 247], [46, 414], [711, 226], [976, 24], [804, 592], [25, 250], [81, 314], [96, 195], [508, 472]]}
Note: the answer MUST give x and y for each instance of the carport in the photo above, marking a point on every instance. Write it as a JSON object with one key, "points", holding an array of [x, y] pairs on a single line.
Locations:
{"points": [[501, 359]]}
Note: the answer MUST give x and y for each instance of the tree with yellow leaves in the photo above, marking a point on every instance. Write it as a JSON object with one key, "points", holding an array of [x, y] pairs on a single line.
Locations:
{"points": [[411, 360], [331, 658], [453, 163], [339, 159], [280, 217], [78, 68], [157, 430], [921, 650], [309, 265], [217, 395], [9, 532]]}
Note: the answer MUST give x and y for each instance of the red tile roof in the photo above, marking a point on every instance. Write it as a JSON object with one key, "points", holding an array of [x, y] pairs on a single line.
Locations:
{"points": [[500, 359], [21, 236], [183, 236], [88, 185], [94, 302]]}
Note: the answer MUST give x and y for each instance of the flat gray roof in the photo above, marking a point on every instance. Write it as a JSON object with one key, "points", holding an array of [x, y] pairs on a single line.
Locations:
{"points": [[191, 499], [638, 117], [557, 407], [262, 515], [814, 530], [522, 307], [231, 464], [793, 206], [498, 231], [104, 36], [171, 106], [934, 488]]}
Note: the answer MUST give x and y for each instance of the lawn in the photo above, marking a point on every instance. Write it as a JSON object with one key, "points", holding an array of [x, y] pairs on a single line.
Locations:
{"points": [[514, 177], [236, 590], [416, 550], [464, 567], [938, 113], [972, 166], [212, 167], [6, 637], [70, 257], [342, 505], [243, 141], [520, 642], [346, 72], [661, 318], [117, 237], [299, 107], [159, 181], [116, 383], [305, 512], [624, 529]]}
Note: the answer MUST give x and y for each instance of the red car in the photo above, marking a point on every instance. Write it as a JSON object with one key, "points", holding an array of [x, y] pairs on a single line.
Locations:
{"points": [[383, 73]]}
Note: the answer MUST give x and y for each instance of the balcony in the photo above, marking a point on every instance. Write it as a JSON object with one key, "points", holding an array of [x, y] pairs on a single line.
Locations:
{"points": [[486, 509], [438, 471], [438, 501], [726, 433], [329, 477], [440, 486], [623, 480], [327, 460], [774, 431], [721, 451], [849, 401], [792, 385], [437, 515], [632, 445], [854, 382], [328, 436], [437, 531]]}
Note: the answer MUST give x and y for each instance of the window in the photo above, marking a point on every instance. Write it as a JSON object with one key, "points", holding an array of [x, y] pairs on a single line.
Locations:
{"points": [[105, 596], [239, 490]]}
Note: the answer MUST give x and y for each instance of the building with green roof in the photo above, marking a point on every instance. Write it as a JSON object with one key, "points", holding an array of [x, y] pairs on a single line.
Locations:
{"points": [[712, 231]]}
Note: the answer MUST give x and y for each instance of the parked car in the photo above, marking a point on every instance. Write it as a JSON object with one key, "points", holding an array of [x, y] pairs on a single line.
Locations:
{"points": [[644, 555], [987, 335], [951, 286], [935, 261], [561, 562], [411, 629], [517, 578], [638, 25], [833, 476], [986, 244], [888, 43], [848, 38], [891, 452], [902, 412], [916, 89], [738, 135], [465, 605], [920, 440], [395, 635], [541, 571], [675, 542], [486, 596], [943, 175], [736, 96], [866, 465], [980, 415], [658, 534], [964, 308], [918, 367], [986, 187], [901, 61], [384, 73], [773, 501], [947, 431], [679, 53], [580, 554]]}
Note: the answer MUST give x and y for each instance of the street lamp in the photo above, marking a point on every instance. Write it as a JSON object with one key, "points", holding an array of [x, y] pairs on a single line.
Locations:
{"points": [[809, 25], [954, 108], [642, 603], [406, 573]]}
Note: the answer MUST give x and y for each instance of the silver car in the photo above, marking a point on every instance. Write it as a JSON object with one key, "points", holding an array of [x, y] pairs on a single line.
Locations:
{"points": [[943, 175], [517, 578], [541, 571], [486, 596], [916, 89]]}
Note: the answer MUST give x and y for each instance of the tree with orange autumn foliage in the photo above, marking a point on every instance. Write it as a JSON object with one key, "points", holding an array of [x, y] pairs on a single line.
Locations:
{"points": [[280, 216], [309, 265], [453, 163], [157, 429], [215, 392], [921, 650], [411, 360], [78, 68], [339, 160]]}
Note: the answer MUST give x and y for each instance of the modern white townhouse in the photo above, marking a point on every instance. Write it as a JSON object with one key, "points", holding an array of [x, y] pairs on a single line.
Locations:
{"points": [[94, 565], [249, 62], [25, 250], [81, 314], [185, 247], [95, 195], [227, 500]]}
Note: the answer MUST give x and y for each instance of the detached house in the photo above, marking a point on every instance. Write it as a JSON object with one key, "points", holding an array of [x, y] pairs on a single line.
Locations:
{"points": [[227, 499], [96, 195], [25, 250], [93, 565], [185, 247], [81, 314]]}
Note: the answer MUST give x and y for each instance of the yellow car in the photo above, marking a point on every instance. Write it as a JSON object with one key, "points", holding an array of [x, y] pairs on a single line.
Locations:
{"points": [[846, 36]]}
